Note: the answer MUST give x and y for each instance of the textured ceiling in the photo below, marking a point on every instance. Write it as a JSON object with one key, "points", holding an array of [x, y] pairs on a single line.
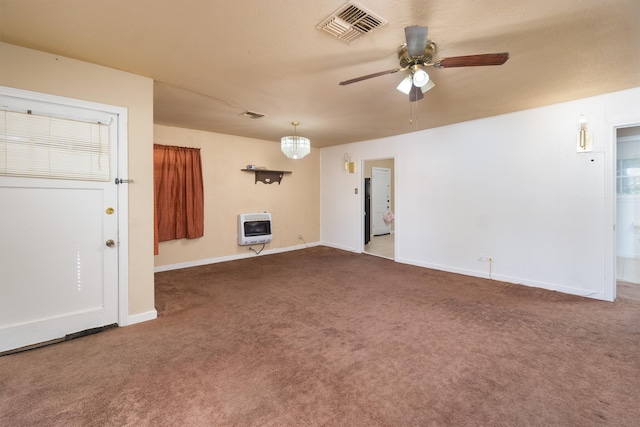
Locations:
{"points": [[213, 60]]}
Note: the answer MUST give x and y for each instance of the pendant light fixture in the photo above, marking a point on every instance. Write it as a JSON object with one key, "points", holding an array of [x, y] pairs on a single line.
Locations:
{"points": [[295, 147]]}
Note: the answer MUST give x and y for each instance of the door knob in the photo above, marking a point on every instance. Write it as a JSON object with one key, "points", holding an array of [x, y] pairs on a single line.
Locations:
{"points": [[110, 243]]}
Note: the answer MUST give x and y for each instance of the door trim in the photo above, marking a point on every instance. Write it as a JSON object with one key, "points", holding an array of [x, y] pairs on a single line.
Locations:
{"points": [[360, 211], [122, 193], [123, 218], [610, 273], [373, 185]]}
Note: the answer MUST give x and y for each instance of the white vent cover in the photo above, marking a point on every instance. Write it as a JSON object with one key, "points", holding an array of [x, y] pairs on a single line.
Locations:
{"points": [[350, 22]]}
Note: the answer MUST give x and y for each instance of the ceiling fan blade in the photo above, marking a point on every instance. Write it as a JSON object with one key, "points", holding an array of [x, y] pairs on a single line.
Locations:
{"points": [[370, 76], [416, 39], [415, 94], [473, 60]]}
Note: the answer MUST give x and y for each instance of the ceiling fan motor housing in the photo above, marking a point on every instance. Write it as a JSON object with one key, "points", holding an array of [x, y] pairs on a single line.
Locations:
{"points": [[406, 60]]}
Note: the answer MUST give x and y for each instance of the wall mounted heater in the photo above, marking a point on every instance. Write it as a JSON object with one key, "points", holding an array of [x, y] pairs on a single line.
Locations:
{"points": [[254, 228]]}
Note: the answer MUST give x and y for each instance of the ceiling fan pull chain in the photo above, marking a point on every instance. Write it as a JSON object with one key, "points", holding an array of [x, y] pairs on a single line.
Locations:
{"points": [[411, 113]]}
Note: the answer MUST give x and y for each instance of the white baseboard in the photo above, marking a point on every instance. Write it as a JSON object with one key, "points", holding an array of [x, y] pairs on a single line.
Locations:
{"points": [[508, 279], [341, 247], [249, 254], [141, 317]]}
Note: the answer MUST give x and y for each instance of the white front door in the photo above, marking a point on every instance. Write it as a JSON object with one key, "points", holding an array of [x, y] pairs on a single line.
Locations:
{"points": [[58, 267], [380, 199]]}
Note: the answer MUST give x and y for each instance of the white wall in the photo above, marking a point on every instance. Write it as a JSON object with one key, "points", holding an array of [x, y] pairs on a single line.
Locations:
{"points": [[509, 187]]}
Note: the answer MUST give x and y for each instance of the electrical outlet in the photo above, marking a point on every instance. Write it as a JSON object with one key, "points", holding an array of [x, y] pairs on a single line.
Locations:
{"points": [[299, 236], [484, 258]]}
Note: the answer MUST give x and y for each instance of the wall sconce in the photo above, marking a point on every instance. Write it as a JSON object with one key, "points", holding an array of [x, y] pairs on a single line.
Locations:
{"points": [[585, 139], [349, 166]]}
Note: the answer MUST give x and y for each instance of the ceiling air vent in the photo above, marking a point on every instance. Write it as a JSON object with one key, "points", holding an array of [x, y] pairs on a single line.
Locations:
{"points": [[350, 22], [252, 114]]}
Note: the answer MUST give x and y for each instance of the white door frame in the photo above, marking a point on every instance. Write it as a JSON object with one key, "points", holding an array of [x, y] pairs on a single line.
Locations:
{"points": [[360, 211], [123, 194], [376, 186], [610, 214]]}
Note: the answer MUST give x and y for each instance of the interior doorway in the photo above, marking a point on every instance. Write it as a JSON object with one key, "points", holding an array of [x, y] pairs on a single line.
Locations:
{"points": [[379, 198], [628, 212]]}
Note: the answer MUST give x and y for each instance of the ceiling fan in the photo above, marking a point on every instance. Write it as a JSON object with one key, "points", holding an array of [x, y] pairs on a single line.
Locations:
{"points": [[417, 53]]}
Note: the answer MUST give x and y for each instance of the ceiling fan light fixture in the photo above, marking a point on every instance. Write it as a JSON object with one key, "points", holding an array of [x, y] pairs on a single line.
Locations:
{"points": [[415, 94], [430, 85], [405, 85], [420, 77], [295, 146]]}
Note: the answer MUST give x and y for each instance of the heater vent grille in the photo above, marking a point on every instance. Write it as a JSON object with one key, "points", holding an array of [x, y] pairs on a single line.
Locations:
{"points": [[350, 22]]}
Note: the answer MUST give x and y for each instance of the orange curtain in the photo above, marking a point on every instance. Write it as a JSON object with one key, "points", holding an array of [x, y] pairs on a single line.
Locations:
{"points": [[179, 193]]}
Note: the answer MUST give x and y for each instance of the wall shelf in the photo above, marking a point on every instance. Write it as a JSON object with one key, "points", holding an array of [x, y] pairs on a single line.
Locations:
{"points": [[266, 175]]}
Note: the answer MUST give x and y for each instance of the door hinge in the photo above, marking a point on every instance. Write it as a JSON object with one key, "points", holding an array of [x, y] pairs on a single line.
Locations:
{"points": [[124, 181]]}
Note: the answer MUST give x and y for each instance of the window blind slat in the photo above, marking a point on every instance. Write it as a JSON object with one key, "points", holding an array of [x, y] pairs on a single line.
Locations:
{"points": [[50, 147]]}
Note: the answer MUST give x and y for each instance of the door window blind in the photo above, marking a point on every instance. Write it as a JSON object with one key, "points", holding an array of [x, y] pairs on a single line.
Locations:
{"points": [[49, 147]]}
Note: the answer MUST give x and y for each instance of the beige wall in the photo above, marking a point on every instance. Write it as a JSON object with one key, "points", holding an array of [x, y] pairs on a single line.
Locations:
{"points": [[51, 74], [294, 203]]}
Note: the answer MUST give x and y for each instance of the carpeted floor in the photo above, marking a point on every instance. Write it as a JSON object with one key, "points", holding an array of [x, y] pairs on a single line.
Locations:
{"points": [[323, 337]]}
